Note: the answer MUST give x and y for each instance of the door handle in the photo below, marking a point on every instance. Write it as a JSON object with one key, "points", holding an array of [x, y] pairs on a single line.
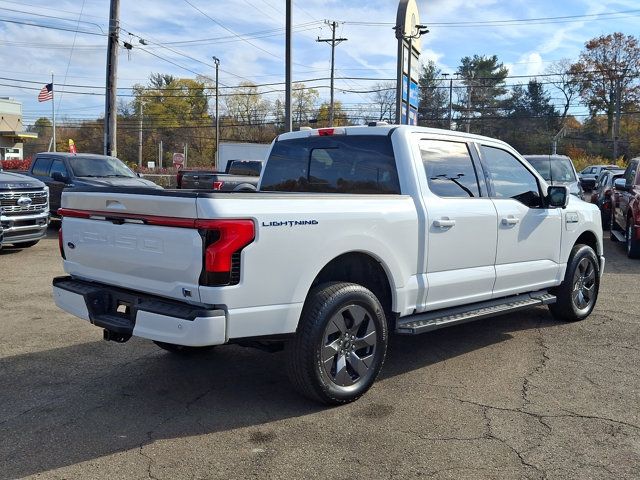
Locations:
{"points": [[510, 220], [444, 223]]}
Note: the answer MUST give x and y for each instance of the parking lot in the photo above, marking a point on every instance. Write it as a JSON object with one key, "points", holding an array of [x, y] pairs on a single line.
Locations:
{"points": [[519, 396]]}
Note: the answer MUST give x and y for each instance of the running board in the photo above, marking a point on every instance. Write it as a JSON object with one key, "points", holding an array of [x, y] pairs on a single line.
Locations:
{"points": [[619, 235], [426, 322]]}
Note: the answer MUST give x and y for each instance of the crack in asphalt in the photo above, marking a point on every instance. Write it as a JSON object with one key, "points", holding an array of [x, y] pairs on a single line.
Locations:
{"points": [[520, 455]]}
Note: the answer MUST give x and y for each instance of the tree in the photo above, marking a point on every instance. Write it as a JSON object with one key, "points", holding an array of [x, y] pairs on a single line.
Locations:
{"points": [[484, 82], [531, 119], [561, 78], [175, 111], [383, 102], [607, 74], [303, 102], [340, 117], [433, 106], [247, 112]]}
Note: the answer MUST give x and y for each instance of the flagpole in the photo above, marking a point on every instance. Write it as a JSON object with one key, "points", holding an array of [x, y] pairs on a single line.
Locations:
{"points": [[53, 112]]}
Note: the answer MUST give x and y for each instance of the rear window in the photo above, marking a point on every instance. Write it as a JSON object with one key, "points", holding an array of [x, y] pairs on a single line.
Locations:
{"points": [[244, 167], [361, 164]]}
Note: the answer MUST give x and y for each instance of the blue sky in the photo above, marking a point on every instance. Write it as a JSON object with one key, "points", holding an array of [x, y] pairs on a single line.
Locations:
{"points": [[227, 29]]}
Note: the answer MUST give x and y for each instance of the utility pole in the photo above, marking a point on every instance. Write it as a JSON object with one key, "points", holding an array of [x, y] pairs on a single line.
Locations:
{"points": [[288, 120], [110, 114], [216, 60], [616, 120], [334, 43], [140, 138], [451, 104], [160, 154]]}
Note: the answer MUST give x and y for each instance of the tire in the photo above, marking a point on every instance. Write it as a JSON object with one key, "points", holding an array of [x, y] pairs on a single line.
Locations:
{"points": [[633, 245], [26, 244], [578, 294], [182, 349], [340, 345], [613, 226]]}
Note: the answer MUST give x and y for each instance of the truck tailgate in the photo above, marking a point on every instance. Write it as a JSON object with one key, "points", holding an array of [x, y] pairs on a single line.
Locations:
{"points": [[134, 241]]}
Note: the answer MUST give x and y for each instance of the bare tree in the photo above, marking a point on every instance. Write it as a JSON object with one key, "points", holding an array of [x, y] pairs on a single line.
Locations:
{"points": [[383, 101], [566, 83]]}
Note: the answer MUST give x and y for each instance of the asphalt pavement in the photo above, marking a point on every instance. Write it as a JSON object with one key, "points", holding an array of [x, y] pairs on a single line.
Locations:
{"points": [[520, 396]]}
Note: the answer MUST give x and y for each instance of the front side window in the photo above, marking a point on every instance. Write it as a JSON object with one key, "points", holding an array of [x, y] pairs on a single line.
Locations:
{"points": [[510, 178], [449, 169], [58, 166]]}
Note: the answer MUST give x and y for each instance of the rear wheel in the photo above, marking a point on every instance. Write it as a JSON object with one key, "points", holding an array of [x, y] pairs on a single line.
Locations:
{"points": [[576, 297], [340, 345], [633, 244], [182, 349]]}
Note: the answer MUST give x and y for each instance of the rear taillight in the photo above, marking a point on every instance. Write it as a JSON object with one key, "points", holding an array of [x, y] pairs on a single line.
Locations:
{"points": [[223, 242], [218, 185], [61, 243]]}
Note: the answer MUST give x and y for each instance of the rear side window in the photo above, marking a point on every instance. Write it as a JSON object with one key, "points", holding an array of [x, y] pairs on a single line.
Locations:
{"points": [[510, 178], [41, 166], [362, 164], [449, 168]]}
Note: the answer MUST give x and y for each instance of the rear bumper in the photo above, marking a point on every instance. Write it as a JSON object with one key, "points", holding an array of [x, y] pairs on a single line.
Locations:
{"points": [[24, 228], [132, 314]]}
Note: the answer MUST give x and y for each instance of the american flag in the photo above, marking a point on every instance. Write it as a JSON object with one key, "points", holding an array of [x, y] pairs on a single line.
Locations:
{"points": [[46, 93]]}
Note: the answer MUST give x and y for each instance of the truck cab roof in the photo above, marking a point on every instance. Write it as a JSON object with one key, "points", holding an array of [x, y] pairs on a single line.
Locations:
{"points": [[385, 130]]}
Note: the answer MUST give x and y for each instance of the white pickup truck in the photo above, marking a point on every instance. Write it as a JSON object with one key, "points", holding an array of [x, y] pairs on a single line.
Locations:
{"points": [[355, 233]]}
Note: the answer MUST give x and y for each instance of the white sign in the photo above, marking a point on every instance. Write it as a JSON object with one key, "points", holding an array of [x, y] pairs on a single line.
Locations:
{"points": [[151, 164], [178, 159]]}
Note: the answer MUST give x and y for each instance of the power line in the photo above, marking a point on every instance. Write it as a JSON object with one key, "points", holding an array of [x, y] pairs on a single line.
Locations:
{"points": [[33, 24]]}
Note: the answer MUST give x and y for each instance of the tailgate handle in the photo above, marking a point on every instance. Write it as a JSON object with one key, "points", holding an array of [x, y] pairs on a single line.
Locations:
{"points": [[114, 204]]}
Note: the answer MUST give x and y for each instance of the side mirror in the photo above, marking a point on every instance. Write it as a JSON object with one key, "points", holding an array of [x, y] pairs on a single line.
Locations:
{"points": [[588, 184], [620, 184], [60, 177], [558, 196]]}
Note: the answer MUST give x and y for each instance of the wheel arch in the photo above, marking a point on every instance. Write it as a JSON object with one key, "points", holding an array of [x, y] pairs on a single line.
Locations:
{"points": [[590, 239], [362, 268], [245, 187]]}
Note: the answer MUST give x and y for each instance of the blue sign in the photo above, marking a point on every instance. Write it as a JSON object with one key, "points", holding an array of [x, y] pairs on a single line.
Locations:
{"points": [[415, 96]]}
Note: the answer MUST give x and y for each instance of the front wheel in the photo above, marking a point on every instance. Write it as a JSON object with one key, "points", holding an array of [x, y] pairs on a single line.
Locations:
{"points": [[340, 345], [576, 297]]}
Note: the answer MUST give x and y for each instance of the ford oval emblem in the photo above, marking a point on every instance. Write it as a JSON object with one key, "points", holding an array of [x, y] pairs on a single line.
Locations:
{"points": [[24, 202], [71, 245]]}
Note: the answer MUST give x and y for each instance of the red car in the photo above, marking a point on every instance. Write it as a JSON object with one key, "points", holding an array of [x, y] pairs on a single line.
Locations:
{"points": [[625, 220]]}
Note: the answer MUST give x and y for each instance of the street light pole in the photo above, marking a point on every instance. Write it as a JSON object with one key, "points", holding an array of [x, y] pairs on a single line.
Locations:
{"points": [[288, 123], [420, 30], [216, 60]]}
